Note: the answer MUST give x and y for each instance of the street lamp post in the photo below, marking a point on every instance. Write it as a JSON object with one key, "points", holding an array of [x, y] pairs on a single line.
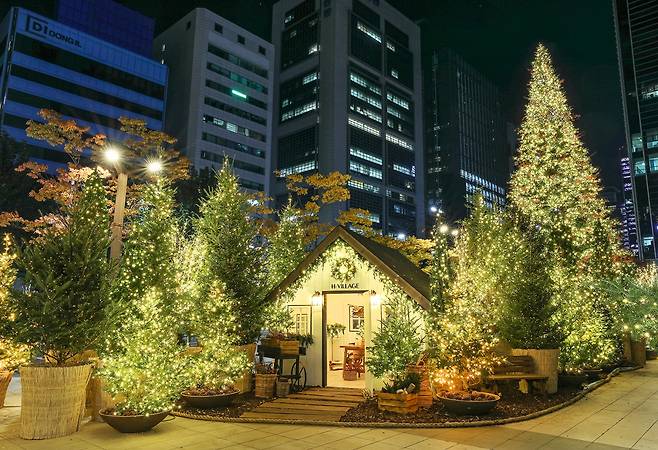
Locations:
{"points": [[113, 156]]}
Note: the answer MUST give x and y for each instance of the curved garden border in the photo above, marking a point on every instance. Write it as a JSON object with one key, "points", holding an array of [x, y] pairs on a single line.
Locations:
{"points": [[481, 423]]}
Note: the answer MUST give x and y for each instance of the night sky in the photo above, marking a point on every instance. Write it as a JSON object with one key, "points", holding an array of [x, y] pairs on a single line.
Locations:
{"points": [[496, 36]]}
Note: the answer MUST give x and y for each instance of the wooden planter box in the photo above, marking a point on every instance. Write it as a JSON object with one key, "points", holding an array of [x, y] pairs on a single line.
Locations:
{"points": [[285, 347], [397, 403], [546, 362], [425, 392], [265, 385]]}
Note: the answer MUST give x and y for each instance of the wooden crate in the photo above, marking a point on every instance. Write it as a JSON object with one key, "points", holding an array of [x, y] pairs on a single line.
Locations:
{"points": [[425, 391], [397, 403], [289, 347], [265, 385]]}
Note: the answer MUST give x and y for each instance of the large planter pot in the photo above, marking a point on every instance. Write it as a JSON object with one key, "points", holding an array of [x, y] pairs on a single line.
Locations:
{"points": [[133, 424], [572, 379], [639, 349], [209, 401], [265, 385], [470, 407], [627, 348], [397, 403], [546, 362], [53, 400], [5, 379], [243, 384]]}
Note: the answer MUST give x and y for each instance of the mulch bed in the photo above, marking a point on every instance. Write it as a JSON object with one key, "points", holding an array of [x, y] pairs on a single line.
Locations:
{"points": [[241, 404], [512, 404]]}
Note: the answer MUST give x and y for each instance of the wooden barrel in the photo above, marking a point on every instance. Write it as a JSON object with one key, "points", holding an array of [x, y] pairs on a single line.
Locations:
{"points": [[546, 361], [5, 379], [265, 385], [53, 400]]}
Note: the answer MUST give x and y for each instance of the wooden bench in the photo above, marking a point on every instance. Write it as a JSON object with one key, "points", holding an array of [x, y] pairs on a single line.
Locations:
{"points": [[521, 369]]}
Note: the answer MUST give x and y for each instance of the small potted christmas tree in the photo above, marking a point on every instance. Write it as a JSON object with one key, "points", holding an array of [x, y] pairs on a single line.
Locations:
{"points": [[395, 346], [146, 369]]}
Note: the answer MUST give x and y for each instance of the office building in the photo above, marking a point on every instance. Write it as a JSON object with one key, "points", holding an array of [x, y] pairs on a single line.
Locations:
{"points": [[637, 48], [109, 21], [221, 91], [45, 64], [349, 99], [468, 140], [627, 206]]}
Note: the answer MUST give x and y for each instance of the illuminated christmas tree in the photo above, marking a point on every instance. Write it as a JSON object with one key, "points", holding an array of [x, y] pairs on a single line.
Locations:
{"points": [[11, 355], [235, 259], [555, 189], [440, 269], [146, 371], [151, 244]]}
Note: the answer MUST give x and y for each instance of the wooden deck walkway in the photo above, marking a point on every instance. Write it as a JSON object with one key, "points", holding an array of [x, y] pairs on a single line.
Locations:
{"points": [[311, 404]]}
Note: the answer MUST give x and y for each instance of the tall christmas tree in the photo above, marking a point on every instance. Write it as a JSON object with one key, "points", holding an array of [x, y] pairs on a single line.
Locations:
{"points": [[230, 235], [555, 189], [440, 268], [555, 186], [11, 355], [66, 307], [151, 244]]}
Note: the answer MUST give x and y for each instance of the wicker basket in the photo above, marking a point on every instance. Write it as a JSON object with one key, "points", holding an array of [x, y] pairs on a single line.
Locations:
{"points": [[5, 379], [282, 388], [265, 383], [53, 400]]}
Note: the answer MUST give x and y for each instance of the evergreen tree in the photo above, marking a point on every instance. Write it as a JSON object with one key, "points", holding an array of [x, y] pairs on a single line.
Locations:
{"points": [[146, 371], [555, 189], [528, 315], [11, 355], [229, 233], [66, 306], [150, 245], [398, 342], [440, 268], [555, 186], [287, 246]]}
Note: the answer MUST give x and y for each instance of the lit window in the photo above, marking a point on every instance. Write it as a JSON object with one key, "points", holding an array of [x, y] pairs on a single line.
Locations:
{"points": [[314, 48], [395, 74], [400, 142], [358, 184], [310, 77], [640, 168], [390, 46], [366, 156], [299, 168], [369, 31], [366, 170], [366, 98], [397, 100], [404, 170], [364, 127], [299, 111]]}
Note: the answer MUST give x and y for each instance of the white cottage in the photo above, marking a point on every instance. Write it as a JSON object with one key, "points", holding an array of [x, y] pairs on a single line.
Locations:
{"points": [[345, 282]]}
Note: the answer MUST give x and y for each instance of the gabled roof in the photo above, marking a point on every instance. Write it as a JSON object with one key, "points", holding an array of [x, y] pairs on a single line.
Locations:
{"points": [[413, 281]]}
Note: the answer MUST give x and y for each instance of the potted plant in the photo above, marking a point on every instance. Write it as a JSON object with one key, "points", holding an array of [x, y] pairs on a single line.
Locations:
{"points": [[147, 368], [333, 331], [229, 232], [62, 309], [217, 365], [527, 321], [468, 403], [265, 380], [572, 377], [401, 395], [396, 345]]}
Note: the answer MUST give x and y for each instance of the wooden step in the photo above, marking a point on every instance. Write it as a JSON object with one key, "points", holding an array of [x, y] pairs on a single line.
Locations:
{"points": [[308, 409], [299, 401], [259, 415]]}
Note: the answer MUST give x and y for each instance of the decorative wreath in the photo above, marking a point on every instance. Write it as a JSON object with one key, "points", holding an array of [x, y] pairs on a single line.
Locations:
{"points": [[343, 269]]}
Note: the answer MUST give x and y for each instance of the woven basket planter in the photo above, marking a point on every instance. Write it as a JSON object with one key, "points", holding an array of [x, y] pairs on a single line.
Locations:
{"points": [[53, 400], [282, 388], [243, 384], [265, 385], [5, 379], [397, 403]]}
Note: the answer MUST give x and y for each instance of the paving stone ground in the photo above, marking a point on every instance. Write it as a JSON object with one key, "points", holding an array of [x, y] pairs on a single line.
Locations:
{"points": [[621, 414]]}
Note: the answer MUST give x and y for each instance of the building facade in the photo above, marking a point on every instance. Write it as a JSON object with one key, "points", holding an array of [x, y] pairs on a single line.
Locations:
{"points": [[109, 21], [45, 64], [637, 47], [627, 206], [468, 140], [349, 99], [221, 91]]}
